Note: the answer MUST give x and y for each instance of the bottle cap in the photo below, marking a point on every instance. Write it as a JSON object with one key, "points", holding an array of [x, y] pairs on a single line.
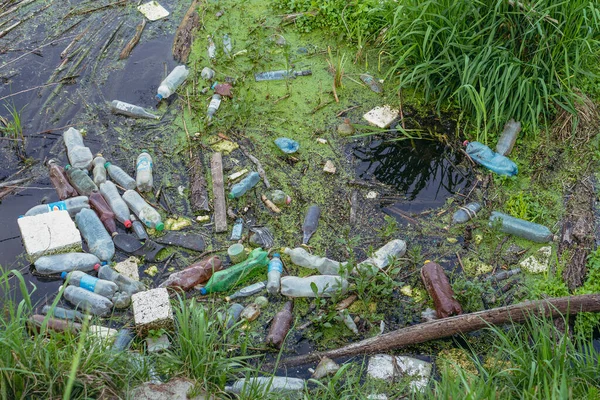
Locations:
{"points": [[144, 151], [158, 97], [466, 142], [99, 155], [231, 196], [106, 164], [96, 267], [103, 263], [203, 291], [160, 226], [276, 255], [288, 199], [63, 275], [67, 167], [127, 223]]}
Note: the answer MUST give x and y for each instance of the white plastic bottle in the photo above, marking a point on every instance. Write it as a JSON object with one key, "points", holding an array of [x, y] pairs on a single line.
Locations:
{"points": [[97, 238], [67, 262], [121, 177], [327, 286], [72, 205], [88, 282], [99, 171], [303, 258], [131, 110], [143, 172], [115, 201], [88, 301], [276, 384], [148, 215], [381, 258], [213, 106], [172, 82], [79, 155], [274, 274]]}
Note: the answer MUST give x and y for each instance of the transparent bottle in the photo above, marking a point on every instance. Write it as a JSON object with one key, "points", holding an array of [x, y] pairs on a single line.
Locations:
{"points": [[525, 229], [372, 83], [382, 257], [493, 161], [327, 286], [172, 82], [287, 145], [213, 106], [193, 275], [207, 73], [115, 201], [311, 222], [88, 301], [239, 189], [88, 282], [508, 137], [131, 110], [80, 180], [72, 206], [99, 172], [67, 262], [275, 384], [212, 49], [232, 276], [227, 46], [121, 177], [238, 228], [79, 155], [60, 181], [138, 228], [124, 283], [104, 212], [348, 321], [123, 340], [97, 238], [63, 313], [148, 215], [324, 265], [143, 172], [247, 291], [279, 75], [464, 214], [233, 314], [274, 274]]}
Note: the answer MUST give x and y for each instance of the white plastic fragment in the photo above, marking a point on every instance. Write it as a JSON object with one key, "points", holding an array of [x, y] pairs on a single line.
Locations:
{"points": [[152, 310], [538, 262], [372, 195], [381, 116], [156, 344], [388, 368], [329, 167], [103, 333], [129, 268], [153, 11], [49, 233]]}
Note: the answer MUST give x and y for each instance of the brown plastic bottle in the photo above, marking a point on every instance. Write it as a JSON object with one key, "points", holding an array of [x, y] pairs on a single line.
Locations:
{"points": [[60, 182], [59, 325], [105, 213], [437, 284], [280, 326], [194, 275]]}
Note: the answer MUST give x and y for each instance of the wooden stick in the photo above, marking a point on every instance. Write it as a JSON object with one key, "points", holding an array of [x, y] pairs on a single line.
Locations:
{"points": [[198, 195], [134, 40], [16, 7], [182, 44], [216, 170], [259, 167]]}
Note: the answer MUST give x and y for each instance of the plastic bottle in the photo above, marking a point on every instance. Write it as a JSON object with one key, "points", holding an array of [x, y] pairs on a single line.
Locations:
{"points": [[62, 313], [88, 282], [131, 110], [324, 265], [525, 229], [124, 283], [234, 275], [138, 228], [36, 321], [80, 180], [238, 227], [123, 340], [143, 172], [99, 172], [59, 181], [239, 189], [279, 75], [213, 106], [348, 321], [97, 238], [67, 262], [120, 177], [72, 206], [233, 314], [105, 213], [372, 83], [207, 73], [115, 201], [495, 162], [237, 253], [438, 286], [311, 222], [194, 275], [279, 198], [275, 384], [327, 286], [282, 321], [79, 155], [508, 137], [464, 214], [148, 215], [381, 258], [227, 47], [212, 49], [274, 274], [88, 301], [251, 312], [172, 82], [287, 145], [247, 291]]}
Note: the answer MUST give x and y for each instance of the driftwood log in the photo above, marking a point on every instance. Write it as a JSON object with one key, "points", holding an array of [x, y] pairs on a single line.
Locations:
{"points": [[134, 40], [445, 327], [182, 44], [199, 195]]}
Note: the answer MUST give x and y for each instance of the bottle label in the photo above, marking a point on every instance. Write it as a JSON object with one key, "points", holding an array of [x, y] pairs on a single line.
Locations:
{"points": [[59, 205], [275, 266], [214, 103], [88, 283], [144, 165]]}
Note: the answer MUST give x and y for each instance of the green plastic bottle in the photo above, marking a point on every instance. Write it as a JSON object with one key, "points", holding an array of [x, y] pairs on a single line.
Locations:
{"points": [[228, 278]]}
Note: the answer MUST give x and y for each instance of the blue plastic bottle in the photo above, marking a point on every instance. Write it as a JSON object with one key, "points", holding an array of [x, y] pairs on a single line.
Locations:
{"points": [[525, 229], [286, 145], [244, 185], [493, 161]]}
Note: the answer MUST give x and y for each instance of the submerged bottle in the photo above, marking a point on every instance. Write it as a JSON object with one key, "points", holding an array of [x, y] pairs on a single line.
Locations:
{"points": [[131, 110], [525, 229], [172, 82], [63, 313], [88, 301], [80, 180], [193, 275], [115, 201], [124, 283], [105, 213], [99, 172], [279, 75], [287, 145], [247, 291], [148, 215], [121, 177], [234, 275], [72, 206], [381, 258], [274, 274], [97, 238], [324, 265], [138, 228], [282, 321], [327, 286], [88, 282], [495, 162], [67, 262], [311, 222], [275, 384], [239, 189], [464, 214], [143, 172], [213, 106], [233, 314], [79, 155], [59, 181], [372, 83], [508, 137]]}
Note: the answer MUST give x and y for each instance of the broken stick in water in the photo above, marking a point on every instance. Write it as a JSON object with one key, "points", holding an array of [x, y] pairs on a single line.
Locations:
{"points": [[134, 41]]}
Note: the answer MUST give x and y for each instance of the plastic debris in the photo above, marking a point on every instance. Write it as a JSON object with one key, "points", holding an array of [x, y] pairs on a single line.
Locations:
{"points": [[153, 11]]}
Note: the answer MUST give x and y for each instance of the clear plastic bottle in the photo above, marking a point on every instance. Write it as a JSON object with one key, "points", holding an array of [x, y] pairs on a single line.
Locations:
{"points": [[99, 172], [372, 83], [123, 340], [274, 274], [193, 275], [525, 229], [279, 75], [67, 262], [124, 283], [59, 180], [381, 258], [287, 145], [464, 214], [88, 282], [348, 321], [148, 215], [72, 206], [104, 212], [143, 172], [88, 301], [121, 300], [138, 228], [247, 291], [207, 74], [227, 46], [239, 189], [495, 162], [172, 82], [121, 177], [213, 106], [238, 228], [508, 137], [233, 314], [115, 201], [232, 276], [97, 238], [324, 265], [80, 180], [131, 110], [311, 222], [275, 384], [63, 313], [79, 155], [327, 285], [212, 49]]}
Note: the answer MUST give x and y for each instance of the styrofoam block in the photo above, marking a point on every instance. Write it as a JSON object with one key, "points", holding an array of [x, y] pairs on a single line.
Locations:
{"points": [[129, 268], [383, 366], [381, 116], [152, 310], [49, 233]]}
